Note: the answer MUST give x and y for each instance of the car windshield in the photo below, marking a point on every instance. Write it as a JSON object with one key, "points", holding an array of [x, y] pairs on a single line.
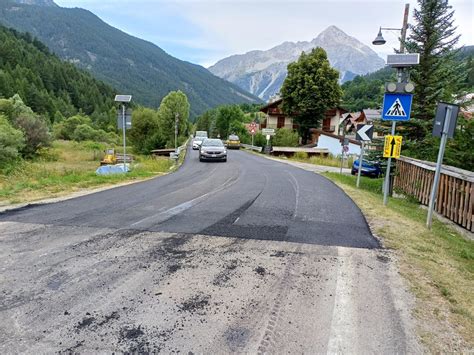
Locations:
{"points": [[212, 143], [233, 137], [201, 134]]}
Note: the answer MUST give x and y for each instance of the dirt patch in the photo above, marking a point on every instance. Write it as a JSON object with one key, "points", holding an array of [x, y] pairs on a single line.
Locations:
{"points": [[86, 322], [194, 304], [260, 270]]}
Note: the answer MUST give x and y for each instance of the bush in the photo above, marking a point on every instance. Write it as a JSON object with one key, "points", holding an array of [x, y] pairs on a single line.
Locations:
{"points": [[35, 131], [66, 128], [285, 137], [11, 142], [301, 155]]}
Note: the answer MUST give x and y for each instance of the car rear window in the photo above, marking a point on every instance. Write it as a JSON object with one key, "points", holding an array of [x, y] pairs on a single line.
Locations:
{"points": [[233, 138]]}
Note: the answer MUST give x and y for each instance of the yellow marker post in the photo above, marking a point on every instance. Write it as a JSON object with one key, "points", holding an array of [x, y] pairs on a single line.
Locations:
{"points": [[392, 147]]}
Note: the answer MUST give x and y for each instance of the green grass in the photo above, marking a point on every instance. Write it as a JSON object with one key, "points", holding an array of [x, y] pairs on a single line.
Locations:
{"points": [[437, 263], [320, 160], [66, 167]]}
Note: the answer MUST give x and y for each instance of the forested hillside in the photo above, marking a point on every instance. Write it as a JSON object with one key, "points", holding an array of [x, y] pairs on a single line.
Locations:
{"points": [[46, 84], [131, 65], [367, 91]]}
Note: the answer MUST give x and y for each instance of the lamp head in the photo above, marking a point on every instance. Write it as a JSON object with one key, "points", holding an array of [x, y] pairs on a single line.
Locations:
{"points": [[379, 40]]}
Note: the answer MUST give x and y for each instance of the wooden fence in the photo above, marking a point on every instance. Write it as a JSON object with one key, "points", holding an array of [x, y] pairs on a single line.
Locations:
{"points": [[455, 198]]}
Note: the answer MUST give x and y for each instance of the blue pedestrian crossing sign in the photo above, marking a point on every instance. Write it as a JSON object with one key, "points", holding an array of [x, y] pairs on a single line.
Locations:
{"points": [[396, 107]]}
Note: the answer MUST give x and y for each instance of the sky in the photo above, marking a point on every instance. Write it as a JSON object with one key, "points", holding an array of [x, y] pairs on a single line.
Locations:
{"points": [[205, 31]]}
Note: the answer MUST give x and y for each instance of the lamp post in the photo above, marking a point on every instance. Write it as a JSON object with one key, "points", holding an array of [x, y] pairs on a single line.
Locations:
{"points": [[176, 122], [123, 99], [379, 40]]}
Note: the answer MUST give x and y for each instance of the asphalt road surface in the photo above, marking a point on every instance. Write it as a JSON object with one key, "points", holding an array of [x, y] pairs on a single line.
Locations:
{"points": [[248, 256]]}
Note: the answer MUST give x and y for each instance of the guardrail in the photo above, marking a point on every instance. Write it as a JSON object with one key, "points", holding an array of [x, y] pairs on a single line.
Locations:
{"points": [[455, 198], [251, 147]]}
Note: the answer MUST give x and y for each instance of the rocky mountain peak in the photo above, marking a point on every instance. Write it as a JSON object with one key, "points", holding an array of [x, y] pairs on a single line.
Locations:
{"points": [[263, 72], [47, 3]]}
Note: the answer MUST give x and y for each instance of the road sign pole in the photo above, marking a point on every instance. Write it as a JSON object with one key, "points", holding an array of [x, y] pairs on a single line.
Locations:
{"points": [[124, 141], [442, 146], [176, 121], [253, 134], [387, 173], [361, 158]]}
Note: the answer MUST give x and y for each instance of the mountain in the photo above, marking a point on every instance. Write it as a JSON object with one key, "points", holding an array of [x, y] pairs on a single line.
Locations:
{"points": [[130, 64], [48, 85], [262, 72]]}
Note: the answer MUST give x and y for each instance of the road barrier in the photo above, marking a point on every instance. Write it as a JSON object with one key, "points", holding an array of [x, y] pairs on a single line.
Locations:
{"points": [[251, 147], [455, 197]]}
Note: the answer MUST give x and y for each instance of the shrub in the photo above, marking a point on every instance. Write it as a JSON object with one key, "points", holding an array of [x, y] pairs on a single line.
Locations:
{"points": [[11, 142], [35, 131], [301, 155], [285, 137], [66, 128]]}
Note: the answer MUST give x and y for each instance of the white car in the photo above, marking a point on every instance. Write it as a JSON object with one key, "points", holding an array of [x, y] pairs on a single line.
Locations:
{"points": [[198, 138]]}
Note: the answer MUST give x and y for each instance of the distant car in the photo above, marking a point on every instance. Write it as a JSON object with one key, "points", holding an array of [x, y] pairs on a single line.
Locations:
{"points": [[233, 142], [198, 138], [212, 149], [369, 168]]}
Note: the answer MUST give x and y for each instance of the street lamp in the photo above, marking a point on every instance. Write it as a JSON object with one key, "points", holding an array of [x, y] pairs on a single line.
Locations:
{"points": [[123, 99], [379, 40]]}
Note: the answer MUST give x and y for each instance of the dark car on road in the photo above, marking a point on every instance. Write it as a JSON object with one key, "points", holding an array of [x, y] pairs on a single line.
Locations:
{"points": [[369, 168], [212, 149]]}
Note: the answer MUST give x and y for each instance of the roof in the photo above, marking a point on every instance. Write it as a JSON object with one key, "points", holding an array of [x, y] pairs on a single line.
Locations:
{"points": [[372, 114], [273, 104], [340, 138]]}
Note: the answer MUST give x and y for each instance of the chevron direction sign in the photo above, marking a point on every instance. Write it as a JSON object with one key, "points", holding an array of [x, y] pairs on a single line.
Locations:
{"points": [[396, 107], [365, 132]]}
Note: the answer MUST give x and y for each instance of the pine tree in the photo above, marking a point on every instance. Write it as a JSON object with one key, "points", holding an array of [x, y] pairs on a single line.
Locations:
{"points": [[439, 75]]}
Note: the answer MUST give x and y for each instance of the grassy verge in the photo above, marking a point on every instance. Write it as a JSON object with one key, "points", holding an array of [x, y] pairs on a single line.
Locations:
{"points": [[438, 264], [68, 167]]}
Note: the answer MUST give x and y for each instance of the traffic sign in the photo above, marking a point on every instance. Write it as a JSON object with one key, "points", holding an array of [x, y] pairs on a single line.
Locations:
{"points": [[268, 131], [440, 119], [128, 118], [392, 147], [396, 107], [345, 148], [365, 132]]}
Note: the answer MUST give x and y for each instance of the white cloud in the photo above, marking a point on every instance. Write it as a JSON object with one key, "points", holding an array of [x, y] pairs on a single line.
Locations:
{"points": [[206, 31]]}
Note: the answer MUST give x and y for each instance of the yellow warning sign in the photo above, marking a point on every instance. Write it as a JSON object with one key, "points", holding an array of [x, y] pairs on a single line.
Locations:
{"points": [[392, 147]]}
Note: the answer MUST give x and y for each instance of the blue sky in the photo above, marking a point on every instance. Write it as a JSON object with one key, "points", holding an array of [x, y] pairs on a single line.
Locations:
{"points": [[203, 32]]}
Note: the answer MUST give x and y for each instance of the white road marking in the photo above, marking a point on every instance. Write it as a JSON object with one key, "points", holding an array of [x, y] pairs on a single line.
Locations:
{"points": [[343, 334]]}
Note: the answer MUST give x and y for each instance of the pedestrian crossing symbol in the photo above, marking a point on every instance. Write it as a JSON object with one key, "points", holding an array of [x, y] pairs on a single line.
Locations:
{"points": [[396, 107]]}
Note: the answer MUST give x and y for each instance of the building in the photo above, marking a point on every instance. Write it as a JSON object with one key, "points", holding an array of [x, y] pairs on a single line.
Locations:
{"points": [[275, 118], [333, 142]]}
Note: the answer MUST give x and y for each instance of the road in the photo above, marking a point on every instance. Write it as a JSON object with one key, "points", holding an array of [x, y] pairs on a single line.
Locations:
{"points": [[248, 256]]}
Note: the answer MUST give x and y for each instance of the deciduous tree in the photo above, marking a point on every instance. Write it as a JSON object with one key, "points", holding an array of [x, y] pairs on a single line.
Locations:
{"points": [[310, 88]]}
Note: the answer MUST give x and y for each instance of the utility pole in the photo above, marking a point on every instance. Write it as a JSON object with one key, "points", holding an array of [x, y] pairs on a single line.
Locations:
{"points": [[176, 122], [124, 140]]}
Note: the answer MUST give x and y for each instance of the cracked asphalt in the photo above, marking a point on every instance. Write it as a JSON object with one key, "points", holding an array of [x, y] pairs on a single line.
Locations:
{"points": [[248, 256]]}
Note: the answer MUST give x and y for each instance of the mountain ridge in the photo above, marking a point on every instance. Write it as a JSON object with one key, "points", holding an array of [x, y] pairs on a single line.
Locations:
{"points": [[130, 64], [262, 72]]}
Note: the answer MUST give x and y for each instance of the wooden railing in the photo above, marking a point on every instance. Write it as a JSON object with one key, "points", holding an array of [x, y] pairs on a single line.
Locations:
{"points": [[455, 197]]}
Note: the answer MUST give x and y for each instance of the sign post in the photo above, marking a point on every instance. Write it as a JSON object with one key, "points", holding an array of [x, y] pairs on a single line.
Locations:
{"points": [[361, 156], [444, 125], [364, 134], [123, 99], [396, 107]]}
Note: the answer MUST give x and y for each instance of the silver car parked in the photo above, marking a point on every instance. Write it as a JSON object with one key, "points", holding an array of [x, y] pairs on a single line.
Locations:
{"points": [[212, 149]]}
